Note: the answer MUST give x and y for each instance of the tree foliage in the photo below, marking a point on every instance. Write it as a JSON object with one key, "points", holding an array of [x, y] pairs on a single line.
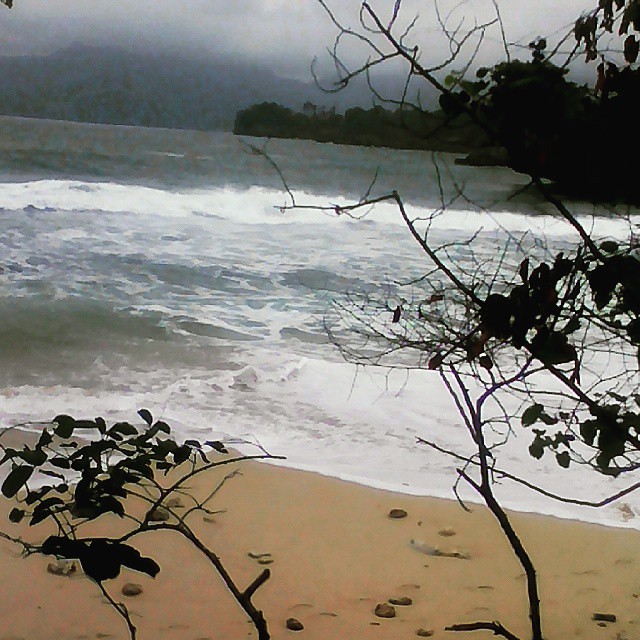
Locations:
{"points": [[81, 470]]}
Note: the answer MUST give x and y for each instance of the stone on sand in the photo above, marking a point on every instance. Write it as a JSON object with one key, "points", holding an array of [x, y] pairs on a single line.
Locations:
{"points": [[294, 624], [131, 589], [385, 610], [159, 515], [397, 514], [62, 567]]}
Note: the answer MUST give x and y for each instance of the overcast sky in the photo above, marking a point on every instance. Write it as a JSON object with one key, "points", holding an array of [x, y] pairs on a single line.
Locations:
{"points": [[286, 34]]}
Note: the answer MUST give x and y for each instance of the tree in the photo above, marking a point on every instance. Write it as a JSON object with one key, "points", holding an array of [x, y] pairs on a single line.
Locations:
{"points": [[549, 339], [79, 470]]}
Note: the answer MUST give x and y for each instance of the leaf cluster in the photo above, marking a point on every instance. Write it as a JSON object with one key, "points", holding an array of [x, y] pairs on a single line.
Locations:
{"points": [[80, 470]]}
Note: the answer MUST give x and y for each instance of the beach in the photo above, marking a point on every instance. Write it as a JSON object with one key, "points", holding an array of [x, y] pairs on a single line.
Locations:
{"points": [[336, 554]]}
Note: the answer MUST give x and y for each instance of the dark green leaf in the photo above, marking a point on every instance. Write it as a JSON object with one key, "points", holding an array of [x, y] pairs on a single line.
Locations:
{"points": [[609, 246], [536, 449], [124, 428], [86, 424], [531, 414], [34, 457], [633, 331], [217, 445], [181, 454], [45, 439], [65, 425], [44, 510], [588, 431], [162, 426], [100, 560], [571, 326], [146, 416], [52, 474], [16, 479], [61, 463], [9, 454], [16, 515], [563, 459], [34, 496], [131, 558], [547, 419]]}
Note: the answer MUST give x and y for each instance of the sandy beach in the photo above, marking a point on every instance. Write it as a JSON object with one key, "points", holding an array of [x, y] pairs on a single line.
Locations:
{"points": [[336, 555]]}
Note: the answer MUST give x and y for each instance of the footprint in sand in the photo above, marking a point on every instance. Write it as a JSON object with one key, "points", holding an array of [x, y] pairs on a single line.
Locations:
{"points": [[301, 605], [585, 590], [587, 572]]}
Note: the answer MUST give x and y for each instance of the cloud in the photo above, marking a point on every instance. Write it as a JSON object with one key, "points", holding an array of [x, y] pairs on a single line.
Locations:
{"points": [[285, 34]]}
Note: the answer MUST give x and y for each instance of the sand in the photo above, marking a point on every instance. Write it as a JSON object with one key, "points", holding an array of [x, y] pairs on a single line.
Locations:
{"points": [[336, 555]]}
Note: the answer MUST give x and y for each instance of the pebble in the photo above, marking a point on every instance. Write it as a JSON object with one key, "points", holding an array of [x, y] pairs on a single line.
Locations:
{"points": [[294, 625], [385, 610], [174, 503], [425, 633], [159, 515], [131, 589], [62, 568], [447, 532], [397, 514], [403, 601], [604, 617]]}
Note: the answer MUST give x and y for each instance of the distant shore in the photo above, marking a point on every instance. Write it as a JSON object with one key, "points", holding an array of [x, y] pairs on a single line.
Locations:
{"points": [[336, 555]]}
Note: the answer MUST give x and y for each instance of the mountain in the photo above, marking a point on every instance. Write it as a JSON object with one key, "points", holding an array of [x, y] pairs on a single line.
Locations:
{"points": [[114, 86]]}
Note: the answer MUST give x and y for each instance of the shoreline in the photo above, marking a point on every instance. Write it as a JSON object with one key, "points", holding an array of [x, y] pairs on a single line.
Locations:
{"points": [[629, 520], [337, 554]]}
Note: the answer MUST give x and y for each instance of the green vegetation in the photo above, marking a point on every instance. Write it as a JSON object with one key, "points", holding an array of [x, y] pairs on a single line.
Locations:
{"points": [[375, 127], [79, 470]]}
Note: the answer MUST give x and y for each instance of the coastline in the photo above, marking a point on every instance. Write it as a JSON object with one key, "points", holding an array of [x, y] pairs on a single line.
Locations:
{"points": [[336, 554]]}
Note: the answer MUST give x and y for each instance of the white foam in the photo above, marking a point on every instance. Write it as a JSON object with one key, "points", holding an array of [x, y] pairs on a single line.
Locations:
{"points": [[256, 205], [294, 396]]}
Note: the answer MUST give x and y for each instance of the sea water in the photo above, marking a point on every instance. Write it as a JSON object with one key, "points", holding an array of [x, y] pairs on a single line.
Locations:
{"points": [[158, 269]]}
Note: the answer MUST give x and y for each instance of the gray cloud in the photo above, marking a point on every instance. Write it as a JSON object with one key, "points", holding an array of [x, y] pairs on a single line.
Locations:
{"points": [[285, 34]]}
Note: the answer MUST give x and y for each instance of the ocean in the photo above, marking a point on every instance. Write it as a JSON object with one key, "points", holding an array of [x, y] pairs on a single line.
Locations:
{"points": [[156, 268]]}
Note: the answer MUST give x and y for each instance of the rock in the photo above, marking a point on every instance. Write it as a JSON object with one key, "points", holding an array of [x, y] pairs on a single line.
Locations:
{"points": [[425, 633], [397, 514], [294, 625], [430, 550], [423, 547], [385, 610], [209, 519], [485, 157], [159, 515], [131, 589], [258, 556], [174, 503], [604, 617], [62, 568], [265, 561], [447, 532], [403, 601]]}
